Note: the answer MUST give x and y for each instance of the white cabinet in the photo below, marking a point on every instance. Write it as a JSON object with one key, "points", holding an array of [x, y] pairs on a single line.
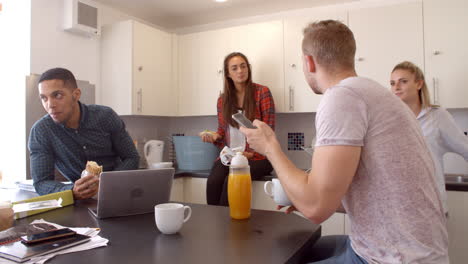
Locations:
{"points": [[201, 57], [188, 75], [457, 226], [335, 225], [136, 69], [446, 51], [298, 97], [262, 43], [201, 71], [177, 191], [195, 190], [386, 36]]}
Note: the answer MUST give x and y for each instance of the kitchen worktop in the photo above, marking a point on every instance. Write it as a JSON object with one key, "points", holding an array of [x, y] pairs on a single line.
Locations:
{"points": [[453, 182], [205, 173], [456, 182]]}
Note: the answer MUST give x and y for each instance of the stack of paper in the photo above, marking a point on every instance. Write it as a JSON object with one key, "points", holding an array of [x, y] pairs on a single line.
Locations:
{"points": [[95, 242], [26, 185]]}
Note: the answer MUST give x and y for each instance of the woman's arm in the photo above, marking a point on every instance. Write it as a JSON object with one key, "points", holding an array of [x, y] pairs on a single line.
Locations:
{"points": [[220, 142], [453, 138]]}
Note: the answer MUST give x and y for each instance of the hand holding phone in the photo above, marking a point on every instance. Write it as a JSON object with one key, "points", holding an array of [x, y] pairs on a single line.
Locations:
{"points": [[242, 120], [53, 234]]}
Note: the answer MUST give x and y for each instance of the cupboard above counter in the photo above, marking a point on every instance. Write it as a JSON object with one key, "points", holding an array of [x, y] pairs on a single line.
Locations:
{"points": [[136, 70], [139, 79]]}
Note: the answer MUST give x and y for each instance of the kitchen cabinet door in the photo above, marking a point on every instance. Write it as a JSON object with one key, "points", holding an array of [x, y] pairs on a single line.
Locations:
{"points": [[116, 71], [188, 75], [177, 190], [262, 43], [195, 190], [457, 226], [298, 97], [152, 71], [446, 51], [213, 47], [386, 36], [136, 69]]}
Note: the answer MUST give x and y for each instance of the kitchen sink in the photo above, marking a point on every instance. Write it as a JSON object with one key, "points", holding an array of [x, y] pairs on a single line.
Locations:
{"points": [[456, 178]]}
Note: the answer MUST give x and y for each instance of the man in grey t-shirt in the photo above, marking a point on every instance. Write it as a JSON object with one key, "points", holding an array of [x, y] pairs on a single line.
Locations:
{"points": [[370, 157]]}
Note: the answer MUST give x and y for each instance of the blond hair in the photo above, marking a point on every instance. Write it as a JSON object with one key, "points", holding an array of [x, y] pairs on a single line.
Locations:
{"points": [[423, 93], [331, 44]]}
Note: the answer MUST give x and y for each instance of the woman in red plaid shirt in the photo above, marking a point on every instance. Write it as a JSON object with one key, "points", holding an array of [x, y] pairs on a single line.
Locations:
{"points": [[256, 102]]}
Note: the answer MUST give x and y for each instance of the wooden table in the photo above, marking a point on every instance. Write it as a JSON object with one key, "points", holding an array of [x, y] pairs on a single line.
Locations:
{"points": [[210, 236]]}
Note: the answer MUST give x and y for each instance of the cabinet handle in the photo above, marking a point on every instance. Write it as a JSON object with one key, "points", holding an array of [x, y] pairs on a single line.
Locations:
{"points": [[220, 71], [360, 59], [140, 100], [436, 52], [293, 65], [435, 91], [291, 98]]}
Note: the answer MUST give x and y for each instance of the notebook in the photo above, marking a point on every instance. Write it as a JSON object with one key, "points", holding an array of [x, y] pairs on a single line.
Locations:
{"points": [[131, 192], [20, 252]]}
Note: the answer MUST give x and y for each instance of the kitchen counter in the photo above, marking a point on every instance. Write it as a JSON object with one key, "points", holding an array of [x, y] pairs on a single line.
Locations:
{"points": [[456, 182], [205, 173]]}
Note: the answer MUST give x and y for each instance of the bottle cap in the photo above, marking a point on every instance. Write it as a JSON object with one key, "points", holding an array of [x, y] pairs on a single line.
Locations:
{"points": [[239, 160]]}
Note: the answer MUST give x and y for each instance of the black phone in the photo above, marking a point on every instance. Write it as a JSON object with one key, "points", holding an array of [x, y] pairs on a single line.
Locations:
{"points": [[242, 120], [53, 234]]}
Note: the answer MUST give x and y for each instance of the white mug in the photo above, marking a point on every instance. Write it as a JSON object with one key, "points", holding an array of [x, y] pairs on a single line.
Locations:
{"points": [[169, 217], [274, 189]]}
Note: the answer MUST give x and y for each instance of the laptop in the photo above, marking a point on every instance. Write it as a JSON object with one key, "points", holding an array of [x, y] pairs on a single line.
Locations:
{"points": [[132, 192]]}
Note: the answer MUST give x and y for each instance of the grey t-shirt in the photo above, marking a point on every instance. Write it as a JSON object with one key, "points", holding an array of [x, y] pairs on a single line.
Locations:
{"points": [[393, 204]]}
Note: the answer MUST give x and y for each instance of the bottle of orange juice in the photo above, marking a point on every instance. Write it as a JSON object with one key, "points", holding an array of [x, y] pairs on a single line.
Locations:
{"points": [[239, 187]]}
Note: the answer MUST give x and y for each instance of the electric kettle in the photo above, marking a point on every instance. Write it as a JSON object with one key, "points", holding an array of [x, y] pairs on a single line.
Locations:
{"points": [[153, 151]]}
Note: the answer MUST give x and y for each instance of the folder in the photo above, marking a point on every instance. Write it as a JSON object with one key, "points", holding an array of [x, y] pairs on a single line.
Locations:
{"points": [[67, 197]]}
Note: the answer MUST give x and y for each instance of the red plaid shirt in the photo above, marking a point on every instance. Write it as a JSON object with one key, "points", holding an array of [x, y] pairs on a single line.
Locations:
{"points": [[264, 111]]}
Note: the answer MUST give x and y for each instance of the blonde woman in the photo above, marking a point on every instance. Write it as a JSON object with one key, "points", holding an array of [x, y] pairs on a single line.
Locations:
{"points": [[438, 126]]}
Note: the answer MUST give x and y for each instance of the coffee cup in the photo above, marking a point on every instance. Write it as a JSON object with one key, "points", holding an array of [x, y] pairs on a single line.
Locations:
{"points": [[170, 217], [274, 189]]}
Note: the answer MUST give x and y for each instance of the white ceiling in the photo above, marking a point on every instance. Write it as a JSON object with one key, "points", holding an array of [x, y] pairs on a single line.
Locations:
{"points": [[173, 14]]}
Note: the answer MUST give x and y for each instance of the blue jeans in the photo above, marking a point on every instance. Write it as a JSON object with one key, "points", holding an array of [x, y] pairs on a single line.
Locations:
{"points": [[333, 249]]}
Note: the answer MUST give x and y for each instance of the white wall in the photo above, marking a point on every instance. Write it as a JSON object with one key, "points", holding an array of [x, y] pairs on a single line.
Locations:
{"points": [[51, 46], [14, 65]]}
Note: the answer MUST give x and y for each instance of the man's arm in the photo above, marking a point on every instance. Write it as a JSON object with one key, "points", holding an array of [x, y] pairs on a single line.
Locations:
{"points": [[318, 194], [123, 145], [42, 166]]}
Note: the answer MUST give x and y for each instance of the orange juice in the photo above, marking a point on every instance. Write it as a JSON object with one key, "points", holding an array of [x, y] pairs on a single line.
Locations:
{"points": [[239, 194]]}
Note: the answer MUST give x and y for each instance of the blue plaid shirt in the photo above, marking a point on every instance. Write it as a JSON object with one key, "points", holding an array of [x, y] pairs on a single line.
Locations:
{"points": [[100, 137]]}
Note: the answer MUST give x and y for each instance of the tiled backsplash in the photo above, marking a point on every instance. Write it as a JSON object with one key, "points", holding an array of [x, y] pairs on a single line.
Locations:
{"points": [[295, 141], [293, 130], [143, 129]]}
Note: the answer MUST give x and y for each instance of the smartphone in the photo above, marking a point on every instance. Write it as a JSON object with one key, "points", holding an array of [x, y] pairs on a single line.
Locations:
{"points": [[242, 120], [53, 234]]}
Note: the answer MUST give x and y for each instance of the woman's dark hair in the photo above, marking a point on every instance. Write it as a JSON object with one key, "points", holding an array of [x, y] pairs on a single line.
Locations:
{"points": [[60, 74], [230, 104]]}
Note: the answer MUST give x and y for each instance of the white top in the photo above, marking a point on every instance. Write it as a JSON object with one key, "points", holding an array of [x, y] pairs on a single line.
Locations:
{"points": [[393, 203], [442, 136], [237, 139]]}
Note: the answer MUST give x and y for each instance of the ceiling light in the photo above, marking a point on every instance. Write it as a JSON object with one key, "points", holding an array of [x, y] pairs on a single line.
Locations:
{"points": [[220, 1]]}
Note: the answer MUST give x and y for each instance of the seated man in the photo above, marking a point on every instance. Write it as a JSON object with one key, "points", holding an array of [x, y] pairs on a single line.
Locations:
{"points": [[370, 156], [73, 133]]}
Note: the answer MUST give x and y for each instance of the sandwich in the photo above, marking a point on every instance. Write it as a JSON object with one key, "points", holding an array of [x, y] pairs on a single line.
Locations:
{"points": [[209, 132], [93, 168]]}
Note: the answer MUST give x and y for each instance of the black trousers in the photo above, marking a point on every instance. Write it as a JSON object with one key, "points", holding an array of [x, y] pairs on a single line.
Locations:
{"points": [[216, 186]]}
